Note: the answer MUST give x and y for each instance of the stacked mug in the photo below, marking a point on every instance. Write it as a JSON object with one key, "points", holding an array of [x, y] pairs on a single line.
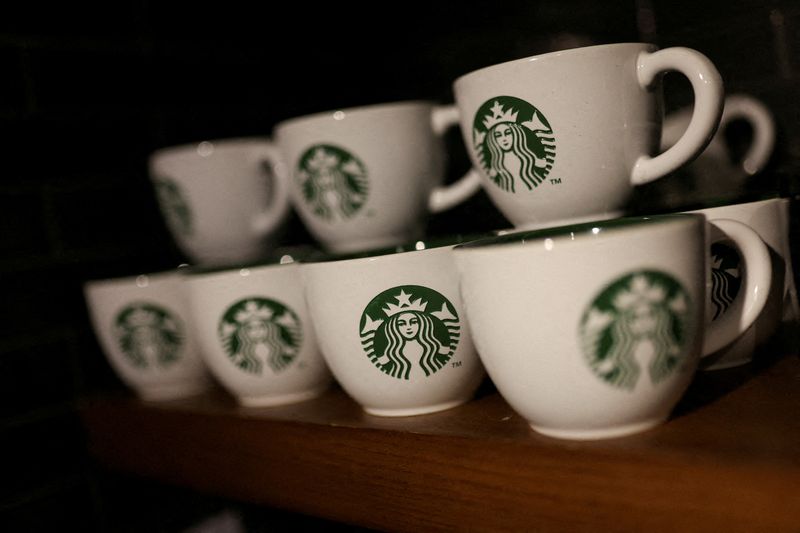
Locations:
{"points": [[363, 178], [222, 203], [590, 325]]}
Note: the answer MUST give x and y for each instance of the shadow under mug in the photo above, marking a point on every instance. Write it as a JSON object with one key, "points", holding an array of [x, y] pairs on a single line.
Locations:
{"points": [[221, 200], [595, 330], [367, 177], [564, 137]]}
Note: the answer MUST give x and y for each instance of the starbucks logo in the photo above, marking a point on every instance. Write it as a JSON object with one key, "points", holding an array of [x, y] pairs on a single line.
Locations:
{"points": [[513, 142], [726, 277], [174, 206], [149, 335], [333, 181], [407, 328], [258, 332], [640, 320]]}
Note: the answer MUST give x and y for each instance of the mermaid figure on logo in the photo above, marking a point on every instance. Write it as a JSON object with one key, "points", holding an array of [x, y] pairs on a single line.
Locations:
{"points": [[512, 150], [148, 336], [406, 334], [644, 327], [726, 277], [410, 338], [173, 204], [334, 183], [254, 338]]}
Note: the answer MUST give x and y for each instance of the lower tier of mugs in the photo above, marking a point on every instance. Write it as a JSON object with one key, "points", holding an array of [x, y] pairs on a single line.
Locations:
{"points": [[727, 460]]}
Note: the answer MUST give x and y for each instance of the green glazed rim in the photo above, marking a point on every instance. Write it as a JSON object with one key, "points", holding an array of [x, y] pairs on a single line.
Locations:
{"points": [[737, 200], [719, 201], [285, 257], [418, 245], [588, 229]]}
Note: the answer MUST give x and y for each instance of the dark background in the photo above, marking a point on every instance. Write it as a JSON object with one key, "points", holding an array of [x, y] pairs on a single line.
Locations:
{"points": [[87, 91]]}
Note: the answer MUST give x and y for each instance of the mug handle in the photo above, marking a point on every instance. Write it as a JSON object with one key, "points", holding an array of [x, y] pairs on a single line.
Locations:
{"points": [[442, 198], [744, 107], [264, 222], [752, 297], [708, 103]]}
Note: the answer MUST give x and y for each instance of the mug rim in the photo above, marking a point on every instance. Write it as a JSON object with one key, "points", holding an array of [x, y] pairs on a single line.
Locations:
{"points": [[573, 232], [159, 275], [198, 271], [321, 115], [547, 55], [717, 203], [190, 148], [410, 247]]}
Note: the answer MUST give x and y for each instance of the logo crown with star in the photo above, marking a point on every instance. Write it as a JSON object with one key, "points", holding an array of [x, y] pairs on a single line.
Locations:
{"points": [[499, 114], [322, 160], [253, 311], [142, 318], [404, 304]]}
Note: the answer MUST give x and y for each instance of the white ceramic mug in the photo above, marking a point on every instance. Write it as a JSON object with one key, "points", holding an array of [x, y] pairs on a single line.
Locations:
{"points": [[143, 326], [713, 174], [367, 177], [221, 202], [393, 331], [565, 136], [769, 218], [255, 333], [595, 330], [715, 158]]}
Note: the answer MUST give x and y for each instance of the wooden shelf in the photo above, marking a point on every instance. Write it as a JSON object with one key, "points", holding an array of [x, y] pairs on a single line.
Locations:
{"points": [[728, 460]]}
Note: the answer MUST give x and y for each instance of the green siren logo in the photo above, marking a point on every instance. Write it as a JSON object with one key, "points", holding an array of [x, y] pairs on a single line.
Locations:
{"points": [[149, 335], [513, 142], [642, 319], [174, 206], [726, 277], [333, 181], [409, 326], [258, 331]]}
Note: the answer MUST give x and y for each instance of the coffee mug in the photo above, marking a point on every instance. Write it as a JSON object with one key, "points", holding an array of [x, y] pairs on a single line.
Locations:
{"points": [[143, 326], [221, 201], [564, 137], [713, 174], [595, 330], [769, 218], [716, 158], [255, 334], [393, 331], [367, 177]]}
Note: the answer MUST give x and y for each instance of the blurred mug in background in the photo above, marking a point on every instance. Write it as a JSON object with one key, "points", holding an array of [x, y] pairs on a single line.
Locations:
{"points": [[715, 175], [224, 201]]}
